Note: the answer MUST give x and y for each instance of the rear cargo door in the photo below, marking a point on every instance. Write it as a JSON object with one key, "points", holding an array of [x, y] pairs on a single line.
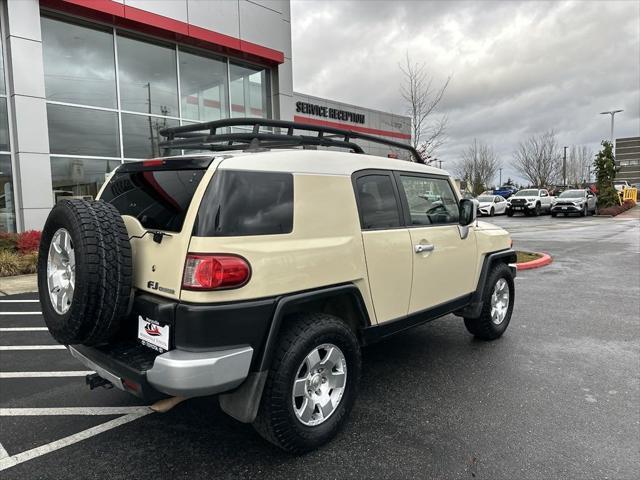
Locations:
{"points": [[155, 199]]}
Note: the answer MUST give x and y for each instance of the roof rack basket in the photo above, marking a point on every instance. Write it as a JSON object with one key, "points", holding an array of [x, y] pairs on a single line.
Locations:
{"points": [[206, 136]]}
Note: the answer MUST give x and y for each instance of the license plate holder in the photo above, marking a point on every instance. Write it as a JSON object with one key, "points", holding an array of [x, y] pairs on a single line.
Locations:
{"points": [[153, 335]]}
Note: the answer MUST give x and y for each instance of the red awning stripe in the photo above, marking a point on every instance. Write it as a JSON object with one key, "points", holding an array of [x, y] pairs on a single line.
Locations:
{"points": [[354, 128], [144, 21]]}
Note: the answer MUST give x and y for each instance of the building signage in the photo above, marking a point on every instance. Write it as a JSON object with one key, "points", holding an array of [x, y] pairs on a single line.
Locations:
{"points": [[333, 113]]}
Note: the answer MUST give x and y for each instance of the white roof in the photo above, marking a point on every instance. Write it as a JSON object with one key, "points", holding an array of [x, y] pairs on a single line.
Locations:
{"points": [[319, 162]]}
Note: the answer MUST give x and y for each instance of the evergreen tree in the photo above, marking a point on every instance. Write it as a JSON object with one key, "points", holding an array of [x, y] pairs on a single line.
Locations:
{"points": [[605, 169]]}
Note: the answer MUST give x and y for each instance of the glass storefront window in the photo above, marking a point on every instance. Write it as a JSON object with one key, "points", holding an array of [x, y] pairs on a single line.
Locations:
{"points": [[4, 125], [2, 87], [7, 206], [79, 177], [79, 64], [249, 92], [203, 87], [148, 77], [82, 131], [141, 135]]}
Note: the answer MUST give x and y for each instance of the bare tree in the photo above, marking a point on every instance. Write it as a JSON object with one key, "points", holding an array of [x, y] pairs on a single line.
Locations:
{"points": [[422, 99], [478, 166], [538, 159], [579, 164]]}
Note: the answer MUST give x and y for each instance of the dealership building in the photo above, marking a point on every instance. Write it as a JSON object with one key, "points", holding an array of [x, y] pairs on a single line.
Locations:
{"points": [[88, 84]]}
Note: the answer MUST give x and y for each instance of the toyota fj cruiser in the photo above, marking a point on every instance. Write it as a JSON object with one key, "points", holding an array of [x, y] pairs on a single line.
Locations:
{"points": [[259, 270]]}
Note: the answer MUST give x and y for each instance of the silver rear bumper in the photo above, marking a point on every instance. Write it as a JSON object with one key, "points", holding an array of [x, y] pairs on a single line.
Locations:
{"points": [[187, 374]]}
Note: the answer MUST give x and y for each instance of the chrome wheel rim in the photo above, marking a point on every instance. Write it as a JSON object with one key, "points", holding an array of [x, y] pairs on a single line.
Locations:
{"points": [[499, 301], [61, 271], [319, 384]]}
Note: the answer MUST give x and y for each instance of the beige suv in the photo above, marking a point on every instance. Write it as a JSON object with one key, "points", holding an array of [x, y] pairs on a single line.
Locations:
{"points": [[260, 270]]}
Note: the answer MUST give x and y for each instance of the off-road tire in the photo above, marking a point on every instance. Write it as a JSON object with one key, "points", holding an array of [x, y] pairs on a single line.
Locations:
{"points": [[482, 327], [276, 420], [103, 271], [537, 210]]}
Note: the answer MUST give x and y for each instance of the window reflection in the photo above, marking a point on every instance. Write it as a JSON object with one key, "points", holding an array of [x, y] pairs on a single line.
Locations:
{"points": [[203, 86], [2, 87], [79, 177], [82, 131], [148, 77], [249, 92], [141, 135], [4, 126], [7, 206], [79, 64]]}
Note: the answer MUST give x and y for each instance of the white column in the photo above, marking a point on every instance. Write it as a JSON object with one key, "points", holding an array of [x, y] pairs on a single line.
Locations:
{"points": [[30, 138]]}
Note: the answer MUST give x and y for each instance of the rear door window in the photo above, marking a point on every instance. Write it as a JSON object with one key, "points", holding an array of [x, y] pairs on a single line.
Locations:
{"points": [[159, 199], [377, 202], [239, 203]]}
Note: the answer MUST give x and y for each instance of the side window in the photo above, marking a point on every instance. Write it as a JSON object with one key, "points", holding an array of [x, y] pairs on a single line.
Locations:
{"points": [[431, 201], [377, 202], [239, 203]]}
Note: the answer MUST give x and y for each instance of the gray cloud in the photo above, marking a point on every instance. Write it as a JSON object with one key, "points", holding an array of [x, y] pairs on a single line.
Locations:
{"points": [[518, 67]]}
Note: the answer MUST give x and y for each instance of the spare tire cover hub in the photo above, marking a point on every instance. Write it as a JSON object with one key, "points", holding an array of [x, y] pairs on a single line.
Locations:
{"points": [[61, 271]]}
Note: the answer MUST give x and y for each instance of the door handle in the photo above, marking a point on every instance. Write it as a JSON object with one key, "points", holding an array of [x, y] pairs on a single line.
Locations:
{"points": [[424, 247]]}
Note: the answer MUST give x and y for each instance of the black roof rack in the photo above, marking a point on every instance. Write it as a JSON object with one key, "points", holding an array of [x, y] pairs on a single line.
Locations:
{"points": [[205, 136]]}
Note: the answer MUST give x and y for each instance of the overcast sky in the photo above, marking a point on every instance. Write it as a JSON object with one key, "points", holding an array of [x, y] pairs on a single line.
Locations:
{"points": [[517, 68]]}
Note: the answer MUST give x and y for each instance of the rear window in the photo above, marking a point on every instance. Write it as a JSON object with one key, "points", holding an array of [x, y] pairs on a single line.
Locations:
{"points": [[159, 199], [239, 203]]}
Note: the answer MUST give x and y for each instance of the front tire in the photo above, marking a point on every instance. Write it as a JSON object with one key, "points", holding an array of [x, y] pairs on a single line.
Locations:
{"points": [[554, 214], [492, 212], [537, 210], [311, 385], [497, 305], [509, 212]]}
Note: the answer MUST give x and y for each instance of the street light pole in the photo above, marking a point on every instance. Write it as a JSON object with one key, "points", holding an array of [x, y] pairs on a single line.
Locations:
{"points": [[500, 177], [613, 114], [564, 168]]}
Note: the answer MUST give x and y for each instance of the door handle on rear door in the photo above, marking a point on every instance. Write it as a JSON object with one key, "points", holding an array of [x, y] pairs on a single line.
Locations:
{"points": [[424, 247]]}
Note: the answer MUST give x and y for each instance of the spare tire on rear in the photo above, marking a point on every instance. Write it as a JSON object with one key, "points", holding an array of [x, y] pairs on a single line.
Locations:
{"points": [[84, 271]]}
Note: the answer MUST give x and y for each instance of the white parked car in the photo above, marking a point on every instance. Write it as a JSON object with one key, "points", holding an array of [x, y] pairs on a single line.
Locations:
{"points": [[492, 205]]}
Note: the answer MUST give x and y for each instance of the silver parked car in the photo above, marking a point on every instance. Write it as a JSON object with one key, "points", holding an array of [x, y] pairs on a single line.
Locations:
{"points": [[580, 201]]}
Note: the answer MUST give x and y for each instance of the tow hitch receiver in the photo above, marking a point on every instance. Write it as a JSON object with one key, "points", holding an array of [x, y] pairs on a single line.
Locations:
{"points": [[94, 381]]}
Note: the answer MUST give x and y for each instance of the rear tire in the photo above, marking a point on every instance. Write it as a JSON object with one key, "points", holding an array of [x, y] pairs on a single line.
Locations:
{"points": [[282, 413], [495, 316], [100, 277]]}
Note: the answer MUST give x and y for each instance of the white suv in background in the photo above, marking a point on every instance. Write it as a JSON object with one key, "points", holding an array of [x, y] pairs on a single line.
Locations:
{"points": [[530, 201]]}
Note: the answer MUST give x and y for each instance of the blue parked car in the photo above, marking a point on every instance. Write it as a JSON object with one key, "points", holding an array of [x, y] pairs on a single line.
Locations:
{"points": [[505, 191]]}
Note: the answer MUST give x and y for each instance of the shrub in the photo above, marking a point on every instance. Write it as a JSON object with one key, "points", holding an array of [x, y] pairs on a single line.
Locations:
{"points": [[12, 263], [8, 241], [605, 169], [29, 241], [618, 209]]}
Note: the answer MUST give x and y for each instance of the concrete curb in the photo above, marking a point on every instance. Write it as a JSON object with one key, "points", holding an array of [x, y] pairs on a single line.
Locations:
{"points": [[537, 263], [18, 284]]}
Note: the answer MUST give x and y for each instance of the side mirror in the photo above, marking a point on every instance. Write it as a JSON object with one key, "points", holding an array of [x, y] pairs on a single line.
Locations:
{"points": [[542, 194], [467, 212], [590, 195]]}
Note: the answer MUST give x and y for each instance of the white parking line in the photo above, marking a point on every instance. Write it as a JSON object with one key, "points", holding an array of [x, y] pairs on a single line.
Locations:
{"points": [[23, 329], [19, 301], [69, 373], [20, 313], [3, 452], [36, 412], [9, 462], [32, 347]]}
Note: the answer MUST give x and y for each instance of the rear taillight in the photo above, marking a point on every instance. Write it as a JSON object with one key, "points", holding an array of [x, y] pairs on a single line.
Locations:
{"points": [[212, 272]]}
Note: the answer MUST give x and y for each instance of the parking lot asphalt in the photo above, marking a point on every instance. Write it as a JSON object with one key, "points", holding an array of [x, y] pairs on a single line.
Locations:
{"points": [[558, 396]]}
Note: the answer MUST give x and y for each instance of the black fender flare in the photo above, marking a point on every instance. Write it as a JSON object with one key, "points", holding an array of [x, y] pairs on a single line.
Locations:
{"points": [[507, 256], [243, 402]]}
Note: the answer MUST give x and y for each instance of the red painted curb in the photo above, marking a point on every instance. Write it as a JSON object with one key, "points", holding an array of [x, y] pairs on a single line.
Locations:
{"points": [[537, 263]]}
